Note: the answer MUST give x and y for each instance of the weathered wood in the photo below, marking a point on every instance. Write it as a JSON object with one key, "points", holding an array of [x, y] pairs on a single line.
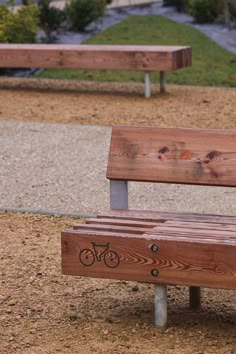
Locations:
{"points": [[113, 57], [121, 222], [112, 228], [154, 216], [151, 257], [189, 156], [190, 249]]}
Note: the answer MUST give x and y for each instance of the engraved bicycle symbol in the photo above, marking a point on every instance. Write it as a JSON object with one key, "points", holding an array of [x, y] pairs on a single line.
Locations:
{"points": [[110, 258]]}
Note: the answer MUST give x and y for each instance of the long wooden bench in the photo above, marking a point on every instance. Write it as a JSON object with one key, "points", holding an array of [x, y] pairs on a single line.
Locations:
{"points": [[190, 249], [109, 57]]}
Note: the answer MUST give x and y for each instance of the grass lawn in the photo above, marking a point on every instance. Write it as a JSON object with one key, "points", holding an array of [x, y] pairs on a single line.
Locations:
{"points": [[212, 65]]}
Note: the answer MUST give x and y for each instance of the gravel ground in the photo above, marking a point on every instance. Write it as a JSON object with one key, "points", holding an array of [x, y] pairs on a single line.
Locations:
{"points": [[43, 312]]}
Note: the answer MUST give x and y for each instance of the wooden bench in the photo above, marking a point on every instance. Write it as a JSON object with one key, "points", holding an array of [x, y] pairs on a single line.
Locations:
{"points": [[190, 249], [109, 57]]}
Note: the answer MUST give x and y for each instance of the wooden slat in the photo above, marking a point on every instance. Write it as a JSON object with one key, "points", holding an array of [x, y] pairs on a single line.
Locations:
{"points": [[131, 257], [201, 225], [188, 156], [192, 234], [154, 216], [121, 57], [122, 222], [112, 228]]}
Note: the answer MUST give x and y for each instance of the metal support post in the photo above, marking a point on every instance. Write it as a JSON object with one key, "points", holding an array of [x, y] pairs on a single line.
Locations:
{"points": [[147, 83], [160, 305], [118, 194], [162, 82], [194, 297]]}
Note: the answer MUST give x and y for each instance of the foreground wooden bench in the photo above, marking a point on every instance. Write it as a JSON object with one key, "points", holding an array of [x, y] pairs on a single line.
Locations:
{"points": [[109, 57], [195, 250]]}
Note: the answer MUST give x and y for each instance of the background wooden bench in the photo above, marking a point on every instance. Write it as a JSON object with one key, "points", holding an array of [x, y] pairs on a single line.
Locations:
{"points": [[110, 57], [196, 250]]}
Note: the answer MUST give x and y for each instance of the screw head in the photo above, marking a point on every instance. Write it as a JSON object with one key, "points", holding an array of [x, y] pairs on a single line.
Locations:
{"points": [[154, 248], [154, 272]]}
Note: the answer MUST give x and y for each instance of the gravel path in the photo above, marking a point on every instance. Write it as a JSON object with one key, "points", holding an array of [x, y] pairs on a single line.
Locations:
{"points": [[62, 167]]}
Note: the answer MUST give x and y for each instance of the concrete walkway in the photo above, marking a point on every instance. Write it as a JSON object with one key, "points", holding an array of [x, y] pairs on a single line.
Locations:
{"points": [[122, 3]]}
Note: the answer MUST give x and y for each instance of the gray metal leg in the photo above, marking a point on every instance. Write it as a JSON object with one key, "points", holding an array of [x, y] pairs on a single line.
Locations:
{"points": [[160, 305], [162, 82], [118, 194], [194, 297], [147, 83]]}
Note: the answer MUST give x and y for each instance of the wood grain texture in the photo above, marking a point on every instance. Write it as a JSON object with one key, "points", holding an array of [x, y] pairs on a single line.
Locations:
{"points": [[114, 57], [155, 216], [187, 156], [190, 261]]}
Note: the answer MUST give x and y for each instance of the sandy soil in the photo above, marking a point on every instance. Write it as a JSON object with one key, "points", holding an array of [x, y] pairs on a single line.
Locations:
{"points": [[110, 104], [42, 311]]}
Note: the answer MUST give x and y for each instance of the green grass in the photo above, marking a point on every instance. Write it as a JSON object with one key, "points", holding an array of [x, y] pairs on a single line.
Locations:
{"points": [[211, 66]]}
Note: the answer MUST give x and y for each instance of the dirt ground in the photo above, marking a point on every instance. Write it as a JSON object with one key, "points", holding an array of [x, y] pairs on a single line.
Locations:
{"points": [[42, 311]]}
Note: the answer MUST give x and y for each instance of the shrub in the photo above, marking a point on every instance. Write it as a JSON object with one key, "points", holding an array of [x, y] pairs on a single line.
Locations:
{"points": [[81, 12], [204, 10], [51, 18], [232, 10], [19, 27], [180, 5]]}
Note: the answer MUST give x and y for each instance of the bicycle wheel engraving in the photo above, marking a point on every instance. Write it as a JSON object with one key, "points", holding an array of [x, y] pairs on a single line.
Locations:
{"points": [[111, 259], [86, 257]]}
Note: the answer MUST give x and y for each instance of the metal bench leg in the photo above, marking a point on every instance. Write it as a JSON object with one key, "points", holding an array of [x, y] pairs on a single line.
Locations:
{"points": [[160, 305], [147, 83], [118, 194], [162, 82], [194, 297]]}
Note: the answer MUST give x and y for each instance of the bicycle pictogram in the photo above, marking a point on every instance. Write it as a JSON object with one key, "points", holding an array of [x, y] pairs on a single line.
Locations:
{"points": [[88, 256]]}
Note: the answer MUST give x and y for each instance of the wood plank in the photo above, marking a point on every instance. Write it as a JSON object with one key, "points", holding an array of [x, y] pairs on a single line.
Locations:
{"points": [[201, 225], [155, 216], [111, 228], [121, 222], [121, 57], [131, 258], [188, 156], [193, 235]]}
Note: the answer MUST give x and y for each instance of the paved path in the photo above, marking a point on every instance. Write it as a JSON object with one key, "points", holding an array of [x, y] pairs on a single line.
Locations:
{"points": [[62, 167]]}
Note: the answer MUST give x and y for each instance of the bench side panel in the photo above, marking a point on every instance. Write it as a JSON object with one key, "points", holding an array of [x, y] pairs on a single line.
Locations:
{"points": [[186, 156], [131, 257], [137, 58]]}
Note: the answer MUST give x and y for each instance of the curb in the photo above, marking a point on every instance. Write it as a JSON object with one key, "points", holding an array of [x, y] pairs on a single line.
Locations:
{"points": [[47, 212]]}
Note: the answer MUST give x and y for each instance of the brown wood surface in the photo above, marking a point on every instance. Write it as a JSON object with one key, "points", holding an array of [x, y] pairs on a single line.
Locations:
{"points": [[178, 260], [189, 156], [155, 216], [114, 57]]}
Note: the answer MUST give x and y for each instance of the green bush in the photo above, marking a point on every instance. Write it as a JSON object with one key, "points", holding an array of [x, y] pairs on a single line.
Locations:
{"points": [[19, 27], [51, 18], [204, 11], [180, 5], [232, 11], [81, 12]]}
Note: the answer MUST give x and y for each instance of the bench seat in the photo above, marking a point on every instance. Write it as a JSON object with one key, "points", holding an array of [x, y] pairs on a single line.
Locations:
{"points": [[156, 247]]}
